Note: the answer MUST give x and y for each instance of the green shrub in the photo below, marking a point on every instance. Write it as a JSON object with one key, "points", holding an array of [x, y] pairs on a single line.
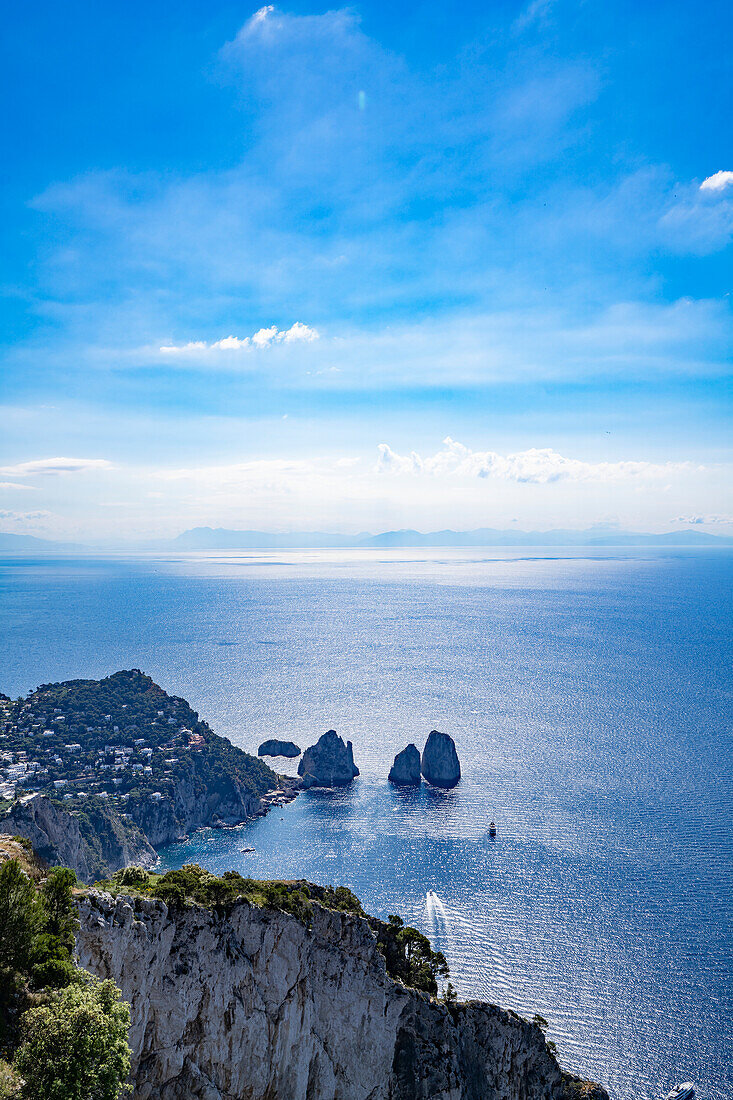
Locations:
{"points": [[408, 954], [75, 1046], [131, 876], [21, 916], [72, 1042]]}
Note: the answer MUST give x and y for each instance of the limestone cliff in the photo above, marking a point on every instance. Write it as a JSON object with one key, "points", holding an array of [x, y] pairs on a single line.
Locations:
{"points": [[252, 1004], [194, 802], [93, 841], [273, 747], [439, 764]]}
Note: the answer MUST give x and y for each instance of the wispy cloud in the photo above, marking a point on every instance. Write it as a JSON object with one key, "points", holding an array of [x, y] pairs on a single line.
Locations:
{"points": [[5, 514], [704, 520], [535, 466], [699, 219], [23, 523], [522, 253], [263, 338], [536, 11], [53, 467], [366, 219]]}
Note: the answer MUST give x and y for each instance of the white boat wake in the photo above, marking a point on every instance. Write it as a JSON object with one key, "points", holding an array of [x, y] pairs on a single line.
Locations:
{"points": [[468, 944], [437, 920]]}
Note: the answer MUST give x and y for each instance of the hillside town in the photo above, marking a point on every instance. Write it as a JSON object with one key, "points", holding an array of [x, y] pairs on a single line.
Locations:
{"points": [[121, 739]]}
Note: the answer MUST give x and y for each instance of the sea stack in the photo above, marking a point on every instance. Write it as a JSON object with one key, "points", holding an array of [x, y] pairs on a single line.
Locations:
{"points": [[278, 748], [405, 771], [328, 763], [440, 765]]}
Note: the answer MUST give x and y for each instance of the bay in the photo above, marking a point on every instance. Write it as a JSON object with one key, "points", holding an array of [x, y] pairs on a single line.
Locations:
{"points": [[589, 695]]}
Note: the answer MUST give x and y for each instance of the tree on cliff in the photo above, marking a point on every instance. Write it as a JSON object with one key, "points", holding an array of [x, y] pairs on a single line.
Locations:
{"points": [[75, 1046], [65, 1032]]}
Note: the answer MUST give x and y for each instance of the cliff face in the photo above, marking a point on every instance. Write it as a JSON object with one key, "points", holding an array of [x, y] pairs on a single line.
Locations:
{"points": [[195, 802], [252, 1005], [94, 848]]}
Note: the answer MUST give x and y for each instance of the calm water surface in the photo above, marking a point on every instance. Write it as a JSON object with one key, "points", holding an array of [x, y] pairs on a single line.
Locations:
{"points": [[589, 695]]}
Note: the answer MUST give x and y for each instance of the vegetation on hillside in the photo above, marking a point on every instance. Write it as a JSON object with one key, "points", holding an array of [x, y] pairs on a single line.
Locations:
{"points": [[63, 1033], [111, 749], [407, 952], [126, 710], [410, 958]]}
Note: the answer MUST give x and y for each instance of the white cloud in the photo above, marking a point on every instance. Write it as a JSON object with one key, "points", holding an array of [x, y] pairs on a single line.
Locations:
{"points": [[263, 338], [4, 514], [537, 466], [15, 485], [717, 182], [261, 15], [53, 466], [706, 520], [535, 12]]}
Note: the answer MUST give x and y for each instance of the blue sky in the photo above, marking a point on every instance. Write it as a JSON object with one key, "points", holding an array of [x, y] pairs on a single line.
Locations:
{"points": [[386, 265]]}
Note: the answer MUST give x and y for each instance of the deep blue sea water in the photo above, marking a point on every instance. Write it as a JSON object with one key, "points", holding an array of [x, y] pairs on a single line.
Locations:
{"points": [[589, 694]]}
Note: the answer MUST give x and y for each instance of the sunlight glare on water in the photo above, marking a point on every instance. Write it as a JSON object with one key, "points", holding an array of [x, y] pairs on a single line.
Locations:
{"points": [[589, 696]]}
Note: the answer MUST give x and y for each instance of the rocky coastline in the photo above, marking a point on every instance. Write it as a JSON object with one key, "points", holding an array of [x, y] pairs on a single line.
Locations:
{"points": [[102, 773], [260, 1003]]}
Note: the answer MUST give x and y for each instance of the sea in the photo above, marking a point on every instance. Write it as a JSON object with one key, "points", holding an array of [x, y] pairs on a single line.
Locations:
{"points": [[589, 695]]}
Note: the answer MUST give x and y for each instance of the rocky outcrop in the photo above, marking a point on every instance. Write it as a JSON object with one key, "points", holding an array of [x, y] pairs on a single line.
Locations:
{"points": [[328, 763], [193, 804], [93, 840], [405, 772], [439, 763], [278, 748], [252, 1004]]}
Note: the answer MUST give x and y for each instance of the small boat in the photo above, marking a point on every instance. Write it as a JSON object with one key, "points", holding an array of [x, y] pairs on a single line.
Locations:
{"points": [[682, 1092], [492, 829], [246, 849]]}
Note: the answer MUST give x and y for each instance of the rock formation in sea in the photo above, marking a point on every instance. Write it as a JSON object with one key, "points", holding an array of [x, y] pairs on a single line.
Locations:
{"points": [[256, 1003], [328, 763], [405, 772], [440, 765], [278, 748]]}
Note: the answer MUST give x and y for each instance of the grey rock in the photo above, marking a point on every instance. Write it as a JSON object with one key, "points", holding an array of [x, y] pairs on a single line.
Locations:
{"points": [[58, 838], [194, 801], [440, 764], [257, 1004], [278, 748], [405, 771], [328, 763]]}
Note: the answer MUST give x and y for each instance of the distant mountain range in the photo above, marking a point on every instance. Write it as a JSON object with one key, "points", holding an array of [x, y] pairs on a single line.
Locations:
{"points": [[220, 538], [30, 542]]}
